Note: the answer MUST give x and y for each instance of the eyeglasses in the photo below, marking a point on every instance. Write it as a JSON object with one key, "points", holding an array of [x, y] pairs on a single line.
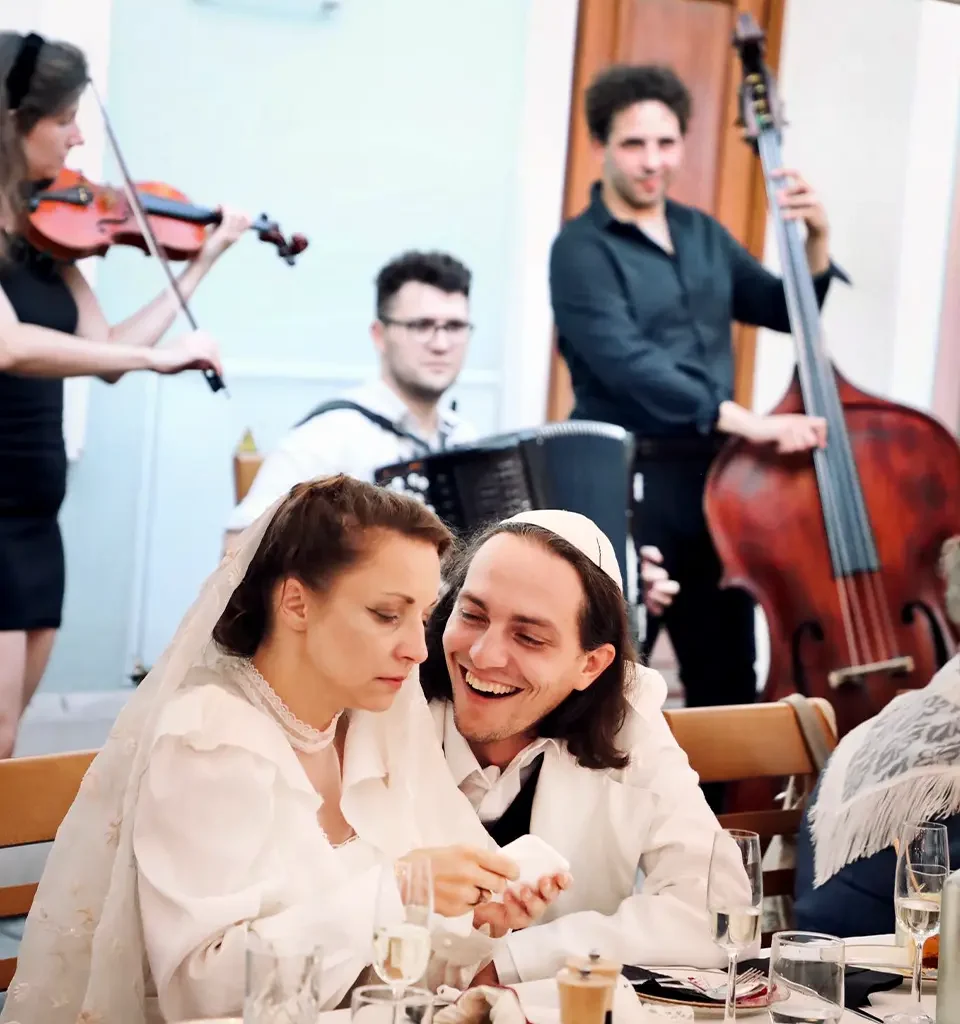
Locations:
{"points": [[425, 329]]}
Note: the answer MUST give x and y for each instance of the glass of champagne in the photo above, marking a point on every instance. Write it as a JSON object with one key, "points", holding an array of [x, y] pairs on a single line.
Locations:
{"points": [[806, 975], [401, 936], [734, 900], [923, 864]]}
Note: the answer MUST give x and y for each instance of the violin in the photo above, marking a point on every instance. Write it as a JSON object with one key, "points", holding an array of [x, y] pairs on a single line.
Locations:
{"points": [[840, 547], [73, 218]]}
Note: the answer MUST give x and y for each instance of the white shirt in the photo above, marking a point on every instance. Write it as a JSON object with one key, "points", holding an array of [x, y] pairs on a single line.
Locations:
{"points": [[345, 441], [489, 790]]}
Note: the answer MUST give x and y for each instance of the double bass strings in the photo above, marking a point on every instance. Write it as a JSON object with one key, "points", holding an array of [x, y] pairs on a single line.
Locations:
{"points": [[849, 536]]}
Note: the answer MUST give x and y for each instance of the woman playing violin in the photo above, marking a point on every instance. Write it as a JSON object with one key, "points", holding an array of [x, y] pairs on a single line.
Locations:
{"points": [[52, 327]]}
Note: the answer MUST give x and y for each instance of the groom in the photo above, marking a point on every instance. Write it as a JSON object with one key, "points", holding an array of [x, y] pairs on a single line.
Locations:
{"points": [[549, 727]]}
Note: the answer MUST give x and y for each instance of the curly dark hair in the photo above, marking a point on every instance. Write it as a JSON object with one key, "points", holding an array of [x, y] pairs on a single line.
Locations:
{"points": [[58, 79], [589, 720], [620, 86], [321, 529], [438, 269]]}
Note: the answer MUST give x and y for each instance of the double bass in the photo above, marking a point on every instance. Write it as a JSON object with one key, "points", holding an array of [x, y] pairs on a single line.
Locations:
{"points": [[840, 547]]}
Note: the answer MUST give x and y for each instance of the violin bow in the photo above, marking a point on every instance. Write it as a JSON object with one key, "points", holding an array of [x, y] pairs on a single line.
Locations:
{"points": [[212, 377]]}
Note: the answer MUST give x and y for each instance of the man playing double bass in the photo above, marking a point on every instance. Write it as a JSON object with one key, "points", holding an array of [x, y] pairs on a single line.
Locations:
{"points": [[644, 292]]}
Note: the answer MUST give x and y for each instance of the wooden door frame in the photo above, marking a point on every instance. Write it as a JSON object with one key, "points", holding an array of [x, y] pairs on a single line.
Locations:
{"points": [[597, 27]]}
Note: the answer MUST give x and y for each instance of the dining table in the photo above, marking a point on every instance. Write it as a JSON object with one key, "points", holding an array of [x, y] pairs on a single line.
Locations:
{"points": [[540, 1002]]}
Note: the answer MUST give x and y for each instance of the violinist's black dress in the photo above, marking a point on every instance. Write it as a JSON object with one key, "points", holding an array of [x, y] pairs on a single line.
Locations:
{"points": [[33, 459]]}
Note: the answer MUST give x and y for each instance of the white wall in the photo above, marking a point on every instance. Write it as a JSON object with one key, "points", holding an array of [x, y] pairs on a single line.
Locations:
{"points": [[848, 73], [541, 174], [933, 167]]}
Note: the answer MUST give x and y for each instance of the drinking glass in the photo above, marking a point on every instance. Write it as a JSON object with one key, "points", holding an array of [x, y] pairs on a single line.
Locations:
{"points": [[379, 1004], [923, 863], [808, 970], [401, 935], [734, 900], [281, 988]]}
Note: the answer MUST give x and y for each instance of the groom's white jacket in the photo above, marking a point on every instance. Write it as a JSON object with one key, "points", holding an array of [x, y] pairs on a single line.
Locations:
{"points": [[639, 841]]}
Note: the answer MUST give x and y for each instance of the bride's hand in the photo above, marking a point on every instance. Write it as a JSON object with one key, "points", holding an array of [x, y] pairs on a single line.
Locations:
{"points": [[464, 876], [520, 909]]}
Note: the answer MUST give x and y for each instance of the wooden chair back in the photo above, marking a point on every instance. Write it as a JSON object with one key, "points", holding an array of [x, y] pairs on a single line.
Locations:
{"points": [[741, 742], [35, 795]]}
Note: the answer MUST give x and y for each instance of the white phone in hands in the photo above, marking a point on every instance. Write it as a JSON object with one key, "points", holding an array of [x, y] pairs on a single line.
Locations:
{"points": [[535, 858]]}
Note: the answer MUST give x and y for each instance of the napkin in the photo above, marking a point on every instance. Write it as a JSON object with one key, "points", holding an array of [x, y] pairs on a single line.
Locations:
{"points": [[859, 984], [647, 982], [485, 1004]]}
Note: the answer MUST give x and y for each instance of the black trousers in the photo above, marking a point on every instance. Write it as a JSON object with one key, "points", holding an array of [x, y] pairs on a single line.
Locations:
{"points": [[711, 628]]}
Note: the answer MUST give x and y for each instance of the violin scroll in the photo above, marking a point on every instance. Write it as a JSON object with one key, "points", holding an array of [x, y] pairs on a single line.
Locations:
{"points": [[288, 249], [760, 107]]}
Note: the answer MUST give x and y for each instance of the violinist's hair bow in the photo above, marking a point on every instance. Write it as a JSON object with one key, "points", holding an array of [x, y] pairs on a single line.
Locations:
{"points": [[21, 73]]}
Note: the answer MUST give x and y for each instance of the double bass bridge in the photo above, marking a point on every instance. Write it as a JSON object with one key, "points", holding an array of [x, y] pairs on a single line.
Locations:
{"points": [[857, 673]]}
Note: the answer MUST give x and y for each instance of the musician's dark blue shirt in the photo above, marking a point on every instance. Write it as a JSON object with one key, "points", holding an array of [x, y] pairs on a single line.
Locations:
{"points": [[648, 335]]}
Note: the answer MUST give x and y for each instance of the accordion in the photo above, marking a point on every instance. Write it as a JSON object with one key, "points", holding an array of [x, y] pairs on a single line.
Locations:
{"points": [[577, 465]]}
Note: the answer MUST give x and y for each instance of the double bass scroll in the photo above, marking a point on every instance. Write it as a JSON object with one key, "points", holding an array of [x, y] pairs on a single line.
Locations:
{"points": [[839, 547]]}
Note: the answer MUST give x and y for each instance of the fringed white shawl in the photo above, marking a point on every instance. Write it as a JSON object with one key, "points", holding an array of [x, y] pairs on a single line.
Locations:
{"points": [[903, 765]]}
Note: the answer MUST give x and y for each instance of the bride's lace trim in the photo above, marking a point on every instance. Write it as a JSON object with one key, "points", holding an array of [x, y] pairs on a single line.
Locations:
{"points": [[258, 691]]}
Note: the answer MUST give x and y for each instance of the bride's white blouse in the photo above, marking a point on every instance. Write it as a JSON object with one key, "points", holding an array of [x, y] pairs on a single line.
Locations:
{"points": [[226, 838]]}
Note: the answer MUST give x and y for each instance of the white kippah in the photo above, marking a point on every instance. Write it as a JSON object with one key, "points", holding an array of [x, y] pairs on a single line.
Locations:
{"points": [[581, 532]]}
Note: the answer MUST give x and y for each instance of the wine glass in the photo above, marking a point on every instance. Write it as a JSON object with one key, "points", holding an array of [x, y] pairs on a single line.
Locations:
{"points": [[401, 933], [807, 974], [281, 987], [734, 897], [923, 863]]}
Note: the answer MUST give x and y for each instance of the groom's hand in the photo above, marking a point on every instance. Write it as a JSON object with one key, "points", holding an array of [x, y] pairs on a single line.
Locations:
{"points": [[520, 909]]}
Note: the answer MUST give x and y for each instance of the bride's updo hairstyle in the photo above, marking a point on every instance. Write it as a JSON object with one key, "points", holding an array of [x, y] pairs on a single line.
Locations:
{"points": [[321, 529]]}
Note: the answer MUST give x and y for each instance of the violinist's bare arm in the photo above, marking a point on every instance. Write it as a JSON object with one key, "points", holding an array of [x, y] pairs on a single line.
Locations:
{"points": [[194, 350], [148, 325], [31, 351]]}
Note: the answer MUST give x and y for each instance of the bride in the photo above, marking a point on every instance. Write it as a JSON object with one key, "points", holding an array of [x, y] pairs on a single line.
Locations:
{"points": [[278, 758]]}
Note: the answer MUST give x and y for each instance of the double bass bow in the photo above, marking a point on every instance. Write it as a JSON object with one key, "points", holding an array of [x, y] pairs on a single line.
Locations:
{"points": [[839, 547]]}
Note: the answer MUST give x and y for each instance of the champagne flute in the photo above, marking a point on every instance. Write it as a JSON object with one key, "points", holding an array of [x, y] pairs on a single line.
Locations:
{"points": [[923, 863], [734, 897], [401, 934]]}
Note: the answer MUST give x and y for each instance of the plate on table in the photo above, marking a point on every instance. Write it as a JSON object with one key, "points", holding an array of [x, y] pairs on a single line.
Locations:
{"points": [[645, 986]]}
